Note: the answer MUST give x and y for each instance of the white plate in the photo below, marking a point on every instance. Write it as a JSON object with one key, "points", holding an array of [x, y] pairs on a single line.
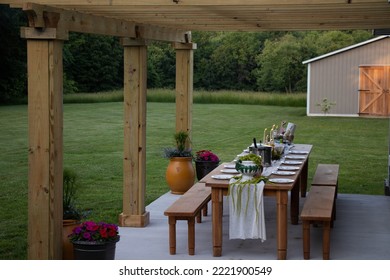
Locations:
{"points": [[292, 162], [295, 157], [281, 180], [285, 173], [222, 177], [230, 166], [230, 171], [286, 167], [242, 154], [299, 152]]}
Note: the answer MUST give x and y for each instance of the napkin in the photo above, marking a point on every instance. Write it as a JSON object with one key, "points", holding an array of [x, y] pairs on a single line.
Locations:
{"points": [[246, 211]]}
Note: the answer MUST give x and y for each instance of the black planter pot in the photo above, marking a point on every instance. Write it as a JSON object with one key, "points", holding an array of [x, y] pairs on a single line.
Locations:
{"points": [[87, 250], [204, 167]]}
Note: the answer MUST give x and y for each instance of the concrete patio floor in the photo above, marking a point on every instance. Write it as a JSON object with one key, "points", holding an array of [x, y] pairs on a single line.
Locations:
{"points": [[361, 232]]}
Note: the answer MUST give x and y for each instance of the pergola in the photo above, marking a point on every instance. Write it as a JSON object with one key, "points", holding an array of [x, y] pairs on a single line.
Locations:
{"points": [[136, 22]]}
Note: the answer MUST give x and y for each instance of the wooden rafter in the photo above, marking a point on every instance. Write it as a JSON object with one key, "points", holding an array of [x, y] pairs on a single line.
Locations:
{"points": [[234, 15]]}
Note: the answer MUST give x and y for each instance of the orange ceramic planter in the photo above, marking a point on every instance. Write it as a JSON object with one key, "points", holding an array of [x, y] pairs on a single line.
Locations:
{"points": [[180, 174]]}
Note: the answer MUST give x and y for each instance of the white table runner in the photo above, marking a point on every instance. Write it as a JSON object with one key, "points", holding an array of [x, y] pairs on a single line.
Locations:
{"points": [[246, 207]]}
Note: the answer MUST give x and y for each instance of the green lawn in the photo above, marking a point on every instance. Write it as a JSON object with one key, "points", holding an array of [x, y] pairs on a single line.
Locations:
{"points": [[93, 145]]}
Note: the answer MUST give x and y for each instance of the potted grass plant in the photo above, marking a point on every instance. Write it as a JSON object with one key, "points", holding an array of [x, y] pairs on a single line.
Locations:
{"points": [[180, 173], [72, 215]]}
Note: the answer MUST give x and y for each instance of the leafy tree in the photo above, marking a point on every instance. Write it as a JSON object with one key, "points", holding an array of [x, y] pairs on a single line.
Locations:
{"points": [[161, 65], [234, 60], [203, 73], [227, 60], [267, 61], [13, 76], [93, 62], [333, 40], [280, 65]]}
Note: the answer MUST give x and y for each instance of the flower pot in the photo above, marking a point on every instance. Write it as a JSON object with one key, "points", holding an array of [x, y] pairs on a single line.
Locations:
{"points": [[93, 250], [204, 167], [180, 174], [67, 247]]}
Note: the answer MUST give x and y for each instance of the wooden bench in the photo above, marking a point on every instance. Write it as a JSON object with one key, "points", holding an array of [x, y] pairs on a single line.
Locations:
{"points": [[327, 175], [318, 208], [188, 207]]}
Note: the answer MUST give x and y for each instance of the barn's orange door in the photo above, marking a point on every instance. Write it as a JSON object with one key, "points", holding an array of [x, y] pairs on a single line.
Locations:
{"points": [[374, 90]]}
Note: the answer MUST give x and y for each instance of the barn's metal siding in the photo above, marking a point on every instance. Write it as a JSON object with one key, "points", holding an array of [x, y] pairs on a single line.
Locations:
{"points": [[336, 77]]}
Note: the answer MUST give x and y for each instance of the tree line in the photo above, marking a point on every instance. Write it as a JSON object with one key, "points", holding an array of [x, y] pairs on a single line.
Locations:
{"points": [[250, 61]]}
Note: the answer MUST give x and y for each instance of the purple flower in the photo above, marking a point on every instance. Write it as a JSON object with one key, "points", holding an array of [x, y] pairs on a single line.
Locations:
{"points": [[87, 235]]}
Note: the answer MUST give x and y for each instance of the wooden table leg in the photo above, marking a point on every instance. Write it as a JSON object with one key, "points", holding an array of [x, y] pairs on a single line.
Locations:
{"points": [[304, 175], [281, 212], [217, 212], [294, 205]]}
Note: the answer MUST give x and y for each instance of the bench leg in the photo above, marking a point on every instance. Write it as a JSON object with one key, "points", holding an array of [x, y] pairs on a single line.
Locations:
{"points": [[205, 210], [326, 241], [333, 214], [172, 235], [306, 239], [334, 205], [199, 217], [191, 236]]}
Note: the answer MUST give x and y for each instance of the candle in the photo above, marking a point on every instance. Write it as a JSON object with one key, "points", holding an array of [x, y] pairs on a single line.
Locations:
{"points": [[264, 136]]}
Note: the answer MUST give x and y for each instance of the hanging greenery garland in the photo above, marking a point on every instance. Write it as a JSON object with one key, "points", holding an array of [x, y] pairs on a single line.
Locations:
{"points": [[240, 185]]}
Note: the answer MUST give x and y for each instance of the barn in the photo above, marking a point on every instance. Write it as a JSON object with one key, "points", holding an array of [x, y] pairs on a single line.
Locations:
{"points": [[354, 81]]}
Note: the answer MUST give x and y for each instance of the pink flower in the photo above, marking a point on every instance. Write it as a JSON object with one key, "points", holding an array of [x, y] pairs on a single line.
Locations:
{"points": [[206, 155], [92, 231]]}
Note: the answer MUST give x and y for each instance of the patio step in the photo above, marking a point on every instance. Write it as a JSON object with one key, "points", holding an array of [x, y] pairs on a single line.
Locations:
{"points": [[187, 207]]}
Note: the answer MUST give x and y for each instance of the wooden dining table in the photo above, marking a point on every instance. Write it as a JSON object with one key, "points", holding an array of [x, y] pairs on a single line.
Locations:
{"points": [[298, 184]]}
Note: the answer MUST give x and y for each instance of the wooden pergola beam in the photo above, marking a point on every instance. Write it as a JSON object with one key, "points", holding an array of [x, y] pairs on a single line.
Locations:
{"points": [[65, 21]]}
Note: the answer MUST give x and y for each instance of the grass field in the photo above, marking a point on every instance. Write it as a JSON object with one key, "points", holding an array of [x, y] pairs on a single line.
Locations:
{"points": [[93, 145]]}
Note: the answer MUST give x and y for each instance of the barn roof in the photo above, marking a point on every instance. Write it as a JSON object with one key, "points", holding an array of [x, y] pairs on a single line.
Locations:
{"points": [[346, 49]]}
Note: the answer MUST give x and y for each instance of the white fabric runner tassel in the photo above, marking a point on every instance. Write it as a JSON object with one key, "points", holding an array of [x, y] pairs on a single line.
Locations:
{"points": [[246, 219]]}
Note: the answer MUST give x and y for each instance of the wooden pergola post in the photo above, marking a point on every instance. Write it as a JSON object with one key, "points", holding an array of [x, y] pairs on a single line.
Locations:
{"points": [[184, 85], [134, 160], [45, 146]]}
